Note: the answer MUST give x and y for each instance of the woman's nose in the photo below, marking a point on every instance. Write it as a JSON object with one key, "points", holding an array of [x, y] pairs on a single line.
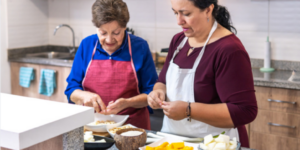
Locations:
{"points": [[109, 39], [180, 20]]}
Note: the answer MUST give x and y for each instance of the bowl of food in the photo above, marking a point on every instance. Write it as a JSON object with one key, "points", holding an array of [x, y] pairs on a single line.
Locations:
{"points": [[92, 142], [130, 139], [220, 142], [101, 121], [112, 130]]}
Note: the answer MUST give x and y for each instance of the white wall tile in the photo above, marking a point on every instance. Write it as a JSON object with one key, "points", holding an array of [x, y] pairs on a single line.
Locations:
{"points": [[165, 17], [81, 12], [27, 23], [148, 34], [164, 37], [142, 13], [59, 12]]}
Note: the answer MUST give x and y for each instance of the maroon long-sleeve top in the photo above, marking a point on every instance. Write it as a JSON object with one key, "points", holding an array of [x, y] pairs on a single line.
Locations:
{"points": [[224, 75]]}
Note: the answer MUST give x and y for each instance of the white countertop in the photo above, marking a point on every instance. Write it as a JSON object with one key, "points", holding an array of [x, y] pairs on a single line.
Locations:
{"points": [[27, 121]]}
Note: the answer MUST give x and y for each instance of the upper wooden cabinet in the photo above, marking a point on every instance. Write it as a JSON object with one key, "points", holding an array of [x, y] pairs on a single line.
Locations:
{"points": [[61, 75]]}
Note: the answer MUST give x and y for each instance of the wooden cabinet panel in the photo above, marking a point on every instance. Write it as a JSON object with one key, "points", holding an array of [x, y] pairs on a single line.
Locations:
{"points": [[261, 141], [55, 143], [61, 75], [16, 89], [265, 93], [264, 117], [260, 124], [285, 95], [262, 95], [298, 144]]}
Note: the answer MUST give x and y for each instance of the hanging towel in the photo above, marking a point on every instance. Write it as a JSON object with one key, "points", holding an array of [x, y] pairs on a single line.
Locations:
{"points": [[47, 82], [26, 75]]}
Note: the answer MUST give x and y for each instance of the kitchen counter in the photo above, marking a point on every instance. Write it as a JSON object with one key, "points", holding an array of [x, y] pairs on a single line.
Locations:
{"points": [[278, 79], [26, 122], [115, 148]]}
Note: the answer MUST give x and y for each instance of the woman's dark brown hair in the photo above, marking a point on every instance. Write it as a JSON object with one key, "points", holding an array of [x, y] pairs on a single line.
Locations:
{"points": [[105, 11]]}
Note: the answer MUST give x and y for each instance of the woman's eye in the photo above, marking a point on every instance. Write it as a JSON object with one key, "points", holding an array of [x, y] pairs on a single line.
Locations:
{"points": [[175, 13], [186, 14], [103, 33], [117, 33]]}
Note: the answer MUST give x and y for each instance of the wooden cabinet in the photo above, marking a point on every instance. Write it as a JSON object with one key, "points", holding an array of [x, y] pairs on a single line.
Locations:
{"points": [[61, 75], [277, 124]]}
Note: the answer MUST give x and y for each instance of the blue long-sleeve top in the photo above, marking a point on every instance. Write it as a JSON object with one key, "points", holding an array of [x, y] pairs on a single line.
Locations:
{"points": [[141, 55]]}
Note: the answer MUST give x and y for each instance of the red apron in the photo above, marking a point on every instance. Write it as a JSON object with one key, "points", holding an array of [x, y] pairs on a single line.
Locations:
{"points": [[112, 80]]}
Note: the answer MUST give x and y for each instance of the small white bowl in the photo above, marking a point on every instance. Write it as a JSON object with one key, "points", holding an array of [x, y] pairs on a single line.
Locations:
{"points": [[108, 127], [119, 119]]}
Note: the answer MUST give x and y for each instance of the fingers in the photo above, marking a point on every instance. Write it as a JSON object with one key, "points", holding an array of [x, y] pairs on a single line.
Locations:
{"points": [[101, 103], [153, 104], [96, 106], [166, 113], [162, 96]]}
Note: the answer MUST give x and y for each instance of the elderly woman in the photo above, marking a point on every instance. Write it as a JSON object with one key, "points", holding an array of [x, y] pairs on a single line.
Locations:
{"points": [[207, 79], [113, 71]]}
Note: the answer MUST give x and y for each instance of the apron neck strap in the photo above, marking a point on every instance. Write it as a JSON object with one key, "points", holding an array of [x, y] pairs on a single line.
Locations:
{"points": [[214, 27]]}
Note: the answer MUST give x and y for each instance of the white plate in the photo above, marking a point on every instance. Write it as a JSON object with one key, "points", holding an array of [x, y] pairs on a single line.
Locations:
{"points": [[170, 140], [110, 126], [119, 119]]}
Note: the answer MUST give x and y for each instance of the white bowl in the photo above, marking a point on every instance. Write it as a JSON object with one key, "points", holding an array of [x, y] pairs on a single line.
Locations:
{"points": [[119, 119], [108, 127]]}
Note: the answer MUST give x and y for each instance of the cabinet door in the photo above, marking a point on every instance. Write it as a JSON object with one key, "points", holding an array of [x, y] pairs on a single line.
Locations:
{"points": [[16, 89], [268, 121], [263, 94], [262, 141]]}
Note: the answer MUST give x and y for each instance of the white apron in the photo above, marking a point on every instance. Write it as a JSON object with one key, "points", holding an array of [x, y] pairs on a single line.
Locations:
{"points": [[180, 86]]}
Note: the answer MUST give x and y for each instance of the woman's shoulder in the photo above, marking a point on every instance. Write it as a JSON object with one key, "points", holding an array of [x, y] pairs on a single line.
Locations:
{"points": [[177, 38], [90, 39], [229, 45]]}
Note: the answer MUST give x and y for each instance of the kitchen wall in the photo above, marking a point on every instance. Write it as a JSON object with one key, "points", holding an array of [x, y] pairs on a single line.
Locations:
{"points": [[5, 71], [31, 23]]}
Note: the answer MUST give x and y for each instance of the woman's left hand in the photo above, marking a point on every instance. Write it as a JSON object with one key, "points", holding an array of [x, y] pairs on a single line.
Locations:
{"points": [[175, 110], [115, 107]]}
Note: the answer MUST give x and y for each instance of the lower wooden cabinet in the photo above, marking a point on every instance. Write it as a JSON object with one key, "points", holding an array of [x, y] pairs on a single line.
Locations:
{"points": [[61, 75], [277, 124], [263, 141]]}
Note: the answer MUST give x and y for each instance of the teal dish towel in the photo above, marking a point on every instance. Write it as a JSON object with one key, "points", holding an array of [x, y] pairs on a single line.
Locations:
{"points": [[47, 82], [26, 75]]}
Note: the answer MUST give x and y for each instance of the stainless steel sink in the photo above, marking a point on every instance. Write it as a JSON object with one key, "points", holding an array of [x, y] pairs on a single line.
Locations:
{"points": [[52, 55]]}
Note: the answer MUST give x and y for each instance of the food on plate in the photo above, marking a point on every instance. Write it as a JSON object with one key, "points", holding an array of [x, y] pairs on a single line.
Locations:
{"points": [[104, 122], [131, 133], [114, 130], [222, 142], [88, 137], [172, 146]]}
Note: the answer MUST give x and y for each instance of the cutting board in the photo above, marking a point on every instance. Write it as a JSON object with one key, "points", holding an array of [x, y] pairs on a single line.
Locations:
{"points": [[105, 134]]}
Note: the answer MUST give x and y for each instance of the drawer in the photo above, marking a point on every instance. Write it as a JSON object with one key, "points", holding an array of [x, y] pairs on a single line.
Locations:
{"points": [[264, 118], [278, 99], [262, 141]]}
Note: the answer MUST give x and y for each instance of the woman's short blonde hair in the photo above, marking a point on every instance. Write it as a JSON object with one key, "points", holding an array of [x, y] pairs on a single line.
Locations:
{"points": [[105, 11]]}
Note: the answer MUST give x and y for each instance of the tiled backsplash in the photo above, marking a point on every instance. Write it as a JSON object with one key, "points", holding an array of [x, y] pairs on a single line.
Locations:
{"points": [[31, 23]]}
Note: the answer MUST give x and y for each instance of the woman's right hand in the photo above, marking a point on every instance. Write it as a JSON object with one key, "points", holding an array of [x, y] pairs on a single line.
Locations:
{"points": [[89, 99], [155, 98]]}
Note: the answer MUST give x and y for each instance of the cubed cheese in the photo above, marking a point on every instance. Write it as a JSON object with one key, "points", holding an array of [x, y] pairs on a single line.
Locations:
{"points": [[203, 146], [208, 139], [222, 138], [211, 145], [220, 146]]}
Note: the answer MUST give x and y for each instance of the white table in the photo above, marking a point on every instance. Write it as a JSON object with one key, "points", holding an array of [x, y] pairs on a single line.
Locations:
{"points": [[29, 121]]}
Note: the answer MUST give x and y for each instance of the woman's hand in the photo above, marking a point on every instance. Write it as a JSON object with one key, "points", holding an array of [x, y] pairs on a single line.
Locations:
{"points": [[117, 106], [88, 99], [175, 110], [155, 98]]}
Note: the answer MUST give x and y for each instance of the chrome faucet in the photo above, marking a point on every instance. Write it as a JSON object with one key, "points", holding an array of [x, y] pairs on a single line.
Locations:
{"points": [[72, 50]]}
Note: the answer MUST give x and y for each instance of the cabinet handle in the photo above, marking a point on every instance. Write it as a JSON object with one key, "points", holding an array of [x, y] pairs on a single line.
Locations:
{"points": [[280, 125], [279, 101]]}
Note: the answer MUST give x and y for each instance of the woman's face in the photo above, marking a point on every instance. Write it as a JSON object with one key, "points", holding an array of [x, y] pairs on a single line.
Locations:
{"points": [[192, 20], [111, 36]]}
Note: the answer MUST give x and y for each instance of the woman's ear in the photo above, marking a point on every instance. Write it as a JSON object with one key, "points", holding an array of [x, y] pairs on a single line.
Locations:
{"points": [[209, 10]]}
